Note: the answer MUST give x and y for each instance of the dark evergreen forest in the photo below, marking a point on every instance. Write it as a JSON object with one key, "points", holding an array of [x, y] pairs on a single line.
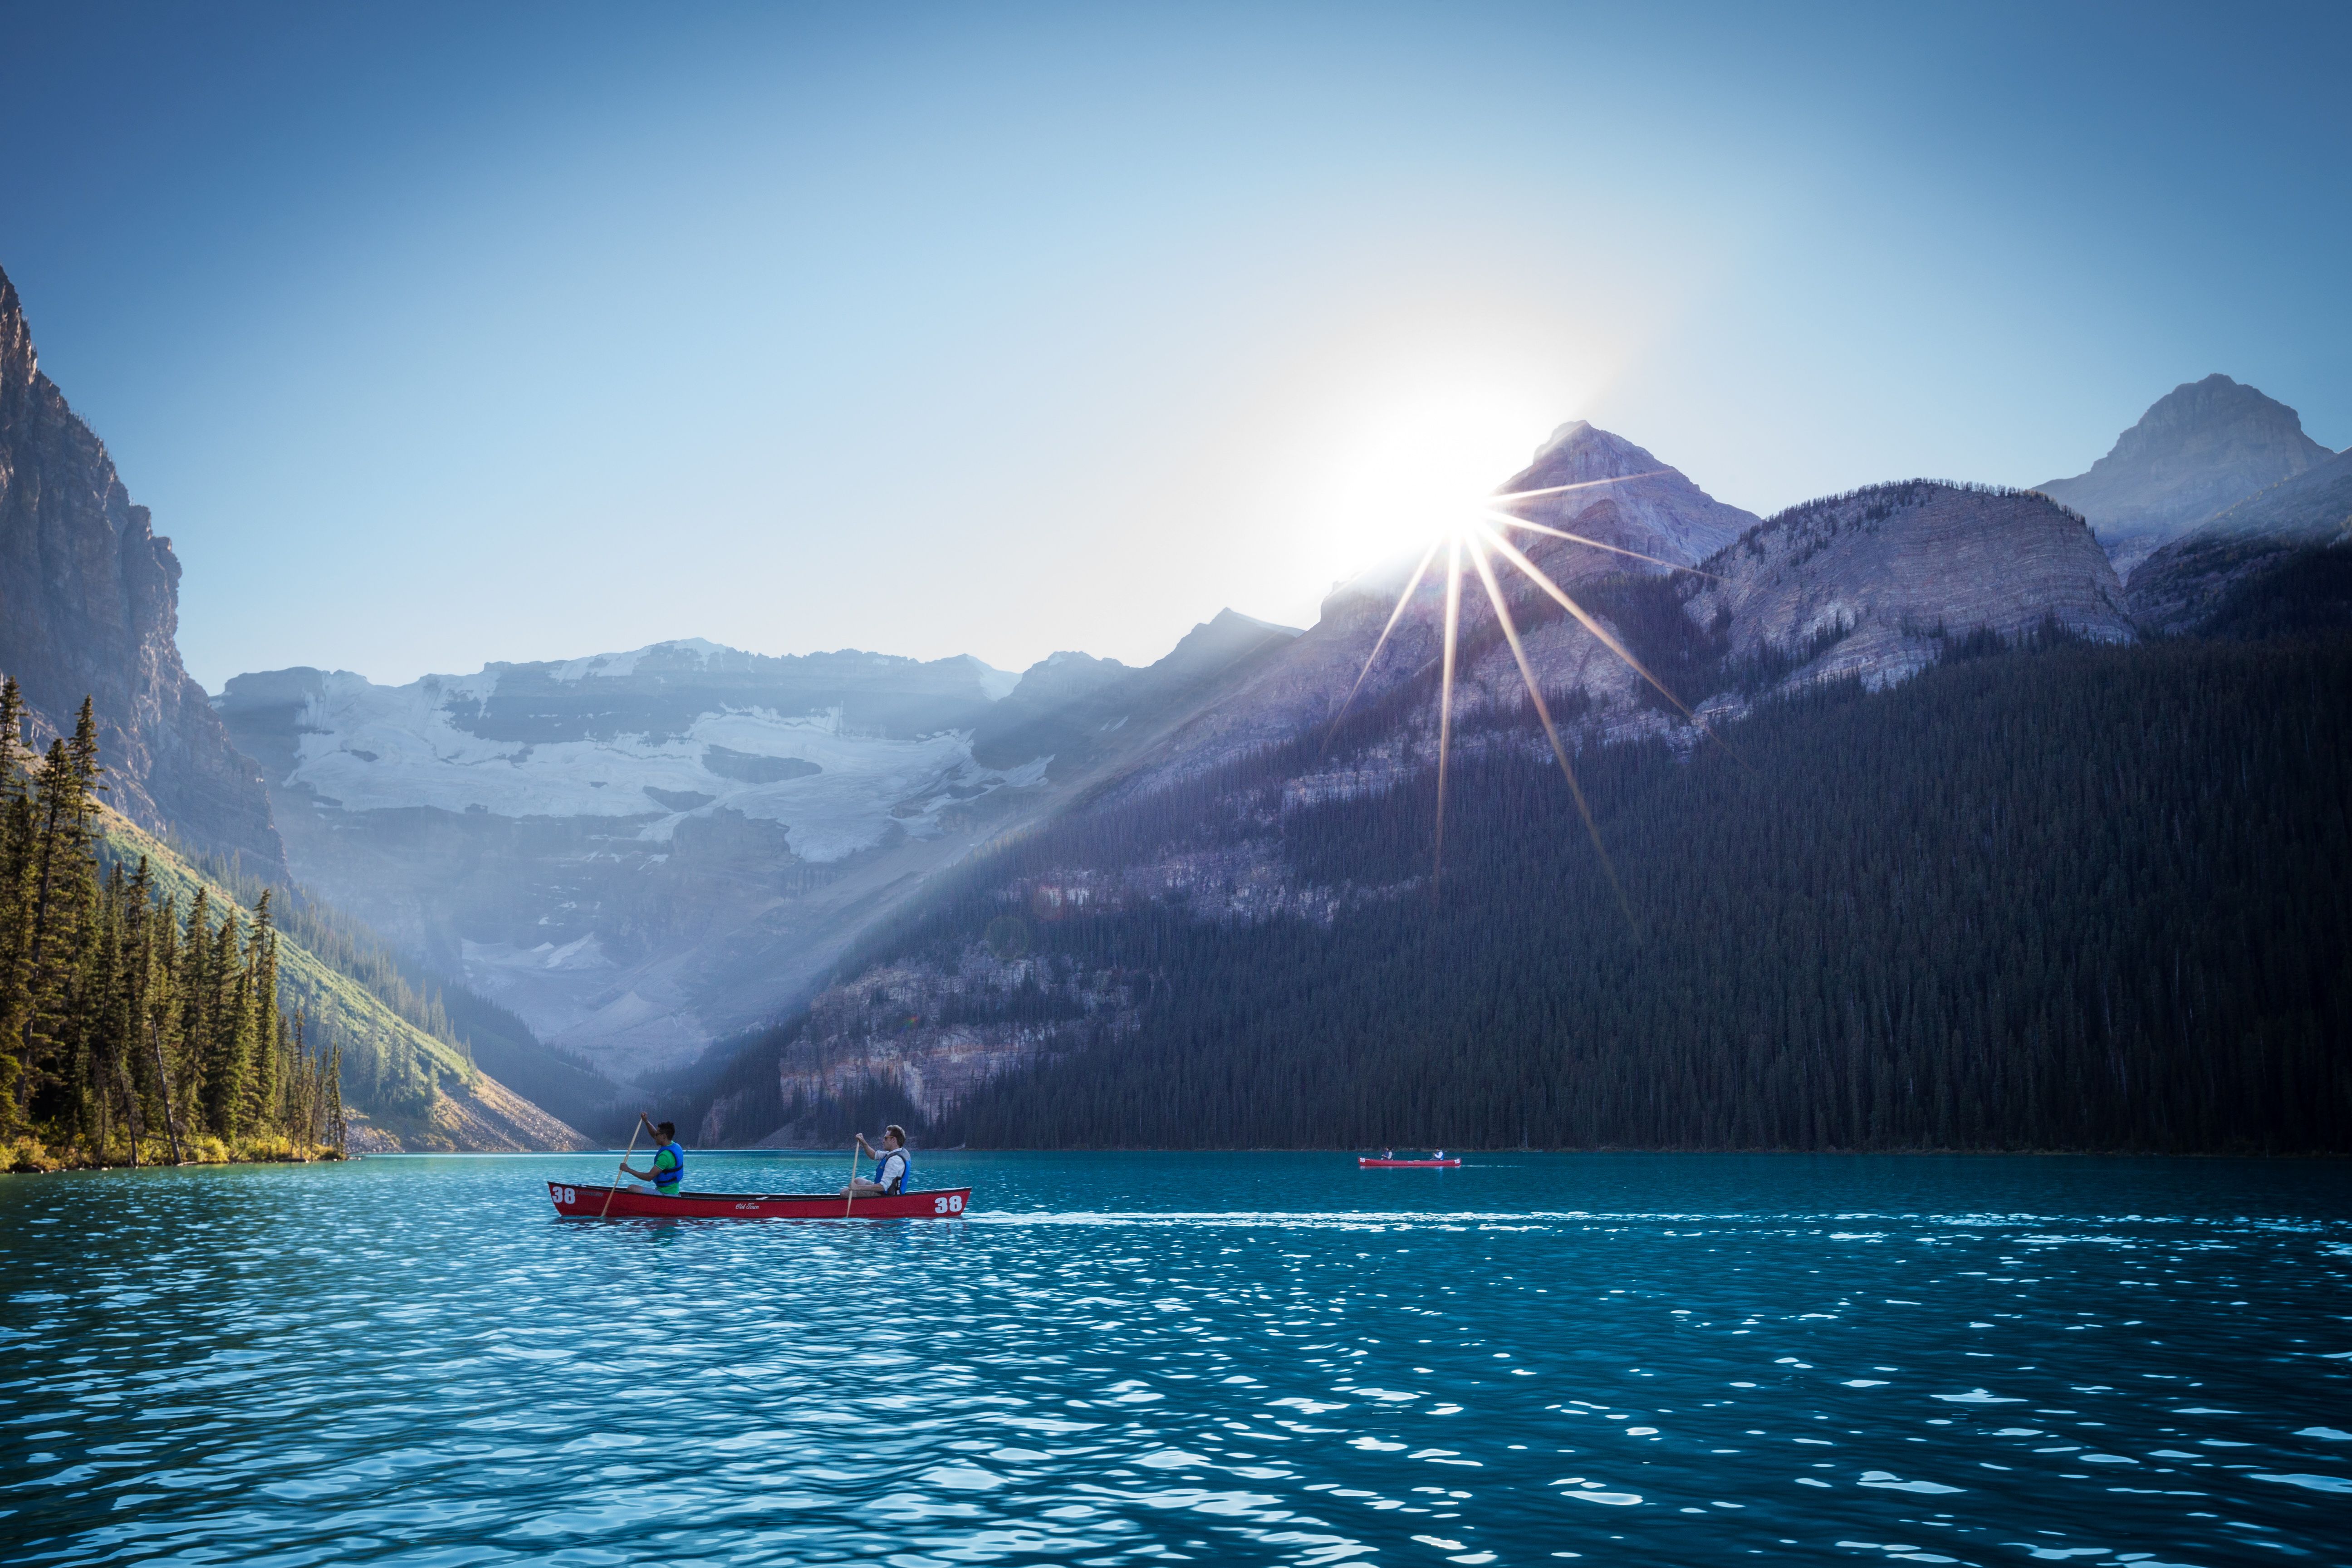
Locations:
{"points": [[2071, 898], [132, 1027]]}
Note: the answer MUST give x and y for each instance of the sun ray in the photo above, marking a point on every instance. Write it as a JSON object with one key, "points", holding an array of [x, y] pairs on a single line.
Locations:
{"points": [[1395, 616], [1579, 485], [1501, 516], [1476, 527], [1543, 712], [1534, 573], [1446, 694]]}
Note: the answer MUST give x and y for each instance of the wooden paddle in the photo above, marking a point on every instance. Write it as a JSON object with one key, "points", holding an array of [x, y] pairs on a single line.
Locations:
{"points": [[624, 1165], [850, 1192]]}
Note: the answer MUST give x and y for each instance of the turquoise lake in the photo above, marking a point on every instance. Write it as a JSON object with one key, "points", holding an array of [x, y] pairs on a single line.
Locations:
{"points": [[1142, 1358]]}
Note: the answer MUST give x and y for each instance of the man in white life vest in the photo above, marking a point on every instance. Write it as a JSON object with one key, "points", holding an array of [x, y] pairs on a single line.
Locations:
{"points": [[892, 1168]]}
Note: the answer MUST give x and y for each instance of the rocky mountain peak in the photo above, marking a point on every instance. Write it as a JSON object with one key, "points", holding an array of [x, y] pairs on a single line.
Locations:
{"points": [[90, 606], [1063, 676], [1581, 450], [1654, 509], [2216, 404], [2200, 448]]}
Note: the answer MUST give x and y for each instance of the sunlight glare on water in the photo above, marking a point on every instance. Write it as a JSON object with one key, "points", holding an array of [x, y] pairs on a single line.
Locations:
{"points": [[1208, 1358]]}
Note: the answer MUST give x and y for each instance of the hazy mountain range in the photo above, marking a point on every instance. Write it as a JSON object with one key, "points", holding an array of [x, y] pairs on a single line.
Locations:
{"points": [[643, 853], [690, 857]]}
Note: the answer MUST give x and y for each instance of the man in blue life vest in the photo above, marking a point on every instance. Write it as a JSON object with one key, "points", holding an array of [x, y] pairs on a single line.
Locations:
{"points": [[666, 1169], [892, 1169]]}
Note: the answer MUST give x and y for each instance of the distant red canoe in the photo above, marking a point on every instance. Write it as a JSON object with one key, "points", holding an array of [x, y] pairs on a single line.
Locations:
{"points": [[573, 1200], [1367, 1163]]}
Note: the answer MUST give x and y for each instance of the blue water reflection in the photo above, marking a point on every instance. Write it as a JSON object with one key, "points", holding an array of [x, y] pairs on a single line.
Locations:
{"points": [[1210, 1358]]}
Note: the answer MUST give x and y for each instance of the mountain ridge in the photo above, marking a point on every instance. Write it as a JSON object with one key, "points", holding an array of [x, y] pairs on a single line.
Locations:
{"points": [[1872, 587]]}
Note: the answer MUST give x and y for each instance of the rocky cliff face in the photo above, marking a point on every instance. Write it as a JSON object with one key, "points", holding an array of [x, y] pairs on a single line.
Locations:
{"points": [[1880, 581], [934, 1034], [2204, 446], [89, 606]]}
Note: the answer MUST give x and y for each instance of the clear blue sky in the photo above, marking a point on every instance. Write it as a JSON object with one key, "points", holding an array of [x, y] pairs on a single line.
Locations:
{"points": [[437, 335]]}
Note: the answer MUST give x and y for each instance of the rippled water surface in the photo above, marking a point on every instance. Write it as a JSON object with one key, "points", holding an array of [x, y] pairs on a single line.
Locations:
{"points": [[1214, 1358]]}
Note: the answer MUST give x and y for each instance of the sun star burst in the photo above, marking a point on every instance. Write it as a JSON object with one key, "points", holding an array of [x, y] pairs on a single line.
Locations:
{"points": [[1477, 537]]}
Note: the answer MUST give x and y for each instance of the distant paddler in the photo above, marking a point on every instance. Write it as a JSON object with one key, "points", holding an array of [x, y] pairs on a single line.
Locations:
{"points": [[666, 1169], [892, 1169]]}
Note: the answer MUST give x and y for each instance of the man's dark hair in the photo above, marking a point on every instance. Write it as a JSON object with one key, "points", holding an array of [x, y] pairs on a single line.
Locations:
{"points": [[667, 1129], [894, 1127]]}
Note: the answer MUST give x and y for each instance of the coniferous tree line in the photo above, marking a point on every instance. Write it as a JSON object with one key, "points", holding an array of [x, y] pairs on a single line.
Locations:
{"points": [[2070, 897], [487, 1036], [133, 1029]]}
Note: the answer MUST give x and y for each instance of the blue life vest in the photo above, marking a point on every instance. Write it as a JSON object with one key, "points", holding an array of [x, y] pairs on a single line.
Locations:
{"points": [[905, 1169], [667, 1180]]}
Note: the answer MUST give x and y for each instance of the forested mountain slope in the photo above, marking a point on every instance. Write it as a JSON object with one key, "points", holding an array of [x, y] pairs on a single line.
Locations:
{"points": [[480, 1030], [2084, 898], [1871, 586], [148, 1012], [2269, 543]]}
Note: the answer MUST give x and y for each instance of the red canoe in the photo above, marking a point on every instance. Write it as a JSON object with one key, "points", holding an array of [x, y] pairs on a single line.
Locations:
{"points": [[573, 1200], [1366, 1162]]}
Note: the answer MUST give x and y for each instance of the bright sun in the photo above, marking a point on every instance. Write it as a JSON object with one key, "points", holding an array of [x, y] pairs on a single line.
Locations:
{"points": [[1421, 492], [1415, 467]]}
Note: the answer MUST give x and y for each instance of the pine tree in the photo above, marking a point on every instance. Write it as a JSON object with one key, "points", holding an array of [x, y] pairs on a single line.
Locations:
{"points": [[261, 1022], [336, 1130], [62, 873], [228, 1034], [19, 835], [192, 995]]}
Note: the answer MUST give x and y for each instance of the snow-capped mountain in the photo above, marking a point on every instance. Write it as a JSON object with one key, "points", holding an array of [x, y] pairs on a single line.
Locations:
{"points": [[644, 852]]}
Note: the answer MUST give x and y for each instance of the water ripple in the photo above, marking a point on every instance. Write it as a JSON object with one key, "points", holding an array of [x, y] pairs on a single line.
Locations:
{"points": [[1131, 1359]]}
